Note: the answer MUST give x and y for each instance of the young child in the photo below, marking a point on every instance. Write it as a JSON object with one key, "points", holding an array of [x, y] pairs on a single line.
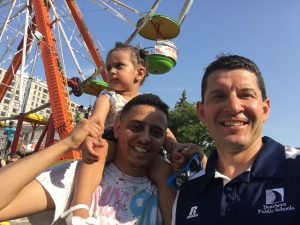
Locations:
{"points": [[126, 73]]}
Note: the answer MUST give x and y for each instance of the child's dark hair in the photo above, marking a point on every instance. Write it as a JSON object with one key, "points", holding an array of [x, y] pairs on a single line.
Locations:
{"points": [[138, 55]]}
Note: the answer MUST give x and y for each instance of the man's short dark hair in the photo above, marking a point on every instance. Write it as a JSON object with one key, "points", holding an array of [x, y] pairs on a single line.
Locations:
{"points": [[233, 62], [146, 99]]}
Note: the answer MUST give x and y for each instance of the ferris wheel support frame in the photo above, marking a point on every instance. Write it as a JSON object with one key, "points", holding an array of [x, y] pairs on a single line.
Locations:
{"points": [[77, 16]]}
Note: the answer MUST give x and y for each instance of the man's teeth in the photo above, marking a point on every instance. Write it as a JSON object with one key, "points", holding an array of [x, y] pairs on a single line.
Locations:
{"points": [[233, 123], [138, 149]]}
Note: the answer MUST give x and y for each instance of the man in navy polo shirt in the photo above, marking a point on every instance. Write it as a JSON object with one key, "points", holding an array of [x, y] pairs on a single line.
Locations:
{"points": [[249, 179]]}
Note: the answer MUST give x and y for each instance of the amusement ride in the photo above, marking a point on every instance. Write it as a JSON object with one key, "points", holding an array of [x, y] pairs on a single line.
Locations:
{"points": [[32, 29]]}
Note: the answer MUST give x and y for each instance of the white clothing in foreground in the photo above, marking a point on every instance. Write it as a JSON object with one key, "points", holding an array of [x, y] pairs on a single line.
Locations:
{"points": [[119, 199]]}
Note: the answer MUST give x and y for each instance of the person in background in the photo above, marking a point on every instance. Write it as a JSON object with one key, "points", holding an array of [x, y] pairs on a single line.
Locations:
{"points": [[79, 114], [249, 179], [88, 112], [10, 133]]}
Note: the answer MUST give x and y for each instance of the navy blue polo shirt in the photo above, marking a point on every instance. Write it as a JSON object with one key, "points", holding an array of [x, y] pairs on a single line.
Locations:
{"points": [[268, 194]]}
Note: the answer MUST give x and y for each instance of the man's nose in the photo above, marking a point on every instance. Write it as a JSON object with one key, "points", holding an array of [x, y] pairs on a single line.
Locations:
{"points": [[234, 104], [145, 135]]}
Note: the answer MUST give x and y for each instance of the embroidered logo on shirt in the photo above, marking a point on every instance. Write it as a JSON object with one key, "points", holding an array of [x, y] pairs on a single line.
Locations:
{"points": [[274, 202], [193, 212], [274, 196]]}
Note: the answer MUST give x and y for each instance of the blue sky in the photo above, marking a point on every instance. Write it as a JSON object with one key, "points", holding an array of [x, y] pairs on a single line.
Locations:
{"points": [[268, 32]]}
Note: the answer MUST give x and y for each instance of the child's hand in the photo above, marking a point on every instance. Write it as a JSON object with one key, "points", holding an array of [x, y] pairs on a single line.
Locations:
{"points": [[187, 151], [90, 149], [177, 160], [85, 128]]}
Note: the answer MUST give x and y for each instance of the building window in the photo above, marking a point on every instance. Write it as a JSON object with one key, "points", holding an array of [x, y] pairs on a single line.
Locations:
{"points": [[2, 113], [6, 101], [15, 110], [45, 91], [7, 95]]}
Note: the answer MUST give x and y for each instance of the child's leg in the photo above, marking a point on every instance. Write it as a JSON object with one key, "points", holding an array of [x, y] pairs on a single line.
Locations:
{"points": [[159, 173], [87, 180]]}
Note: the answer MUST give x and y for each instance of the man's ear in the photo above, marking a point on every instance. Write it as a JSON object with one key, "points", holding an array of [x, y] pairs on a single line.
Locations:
{"points": [[117, 127], [266, 109], [200, 111]]}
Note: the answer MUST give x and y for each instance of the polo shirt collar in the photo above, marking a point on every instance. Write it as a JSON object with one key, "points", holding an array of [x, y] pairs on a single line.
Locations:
{"points": [[269, 163]]}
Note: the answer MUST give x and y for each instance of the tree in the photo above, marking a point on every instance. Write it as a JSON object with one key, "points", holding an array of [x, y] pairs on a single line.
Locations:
{"points": [[186, 127]]}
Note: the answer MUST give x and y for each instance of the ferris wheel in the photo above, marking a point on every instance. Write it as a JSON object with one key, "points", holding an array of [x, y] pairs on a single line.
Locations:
{"points": [[52, 36]]}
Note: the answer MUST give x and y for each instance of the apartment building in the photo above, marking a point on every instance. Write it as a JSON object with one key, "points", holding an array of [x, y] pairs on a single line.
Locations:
{"points": [[38, 96]]}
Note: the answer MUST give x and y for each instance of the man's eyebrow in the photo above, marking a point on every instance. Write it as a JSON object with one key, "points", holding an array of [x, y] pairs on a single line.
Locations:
{"points": [[135, 121], [215, 91]]}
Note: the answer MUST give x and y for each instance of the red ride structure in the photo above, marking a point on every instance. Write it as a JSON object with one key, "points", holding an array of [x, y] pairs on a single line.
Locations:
{"points": [[61, 119]]}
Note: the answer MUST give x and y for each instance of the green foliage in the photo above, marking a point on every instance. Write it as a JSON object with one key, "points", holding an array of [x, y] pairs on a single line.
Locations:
{"points": [[186, 127]]}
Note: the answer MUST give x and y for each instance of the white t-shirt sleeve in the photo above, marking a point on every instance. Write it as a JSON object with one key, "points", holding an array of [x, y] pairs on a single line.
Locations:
{"points": [[59, 183]]}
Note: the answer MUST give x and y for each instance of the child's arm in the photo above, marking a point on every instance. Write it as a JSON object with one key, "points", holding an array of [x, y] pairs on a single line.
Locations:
{"points": [[159, 172], [170, 141], [88, 178], [91, 168], [99, 113]]}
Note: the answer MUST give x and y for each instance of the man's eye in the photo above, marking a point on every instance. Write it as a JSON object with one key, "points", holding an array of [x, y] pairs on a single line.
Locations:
{"points": [[247, 95], [136, 127], [217, 97], [157, 133]]}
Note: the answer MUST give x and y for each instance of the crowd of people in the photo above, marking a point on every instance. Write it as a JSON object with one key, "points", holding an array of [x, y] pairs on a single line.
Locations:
{"points": [[81, 113], [248, 179]]}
